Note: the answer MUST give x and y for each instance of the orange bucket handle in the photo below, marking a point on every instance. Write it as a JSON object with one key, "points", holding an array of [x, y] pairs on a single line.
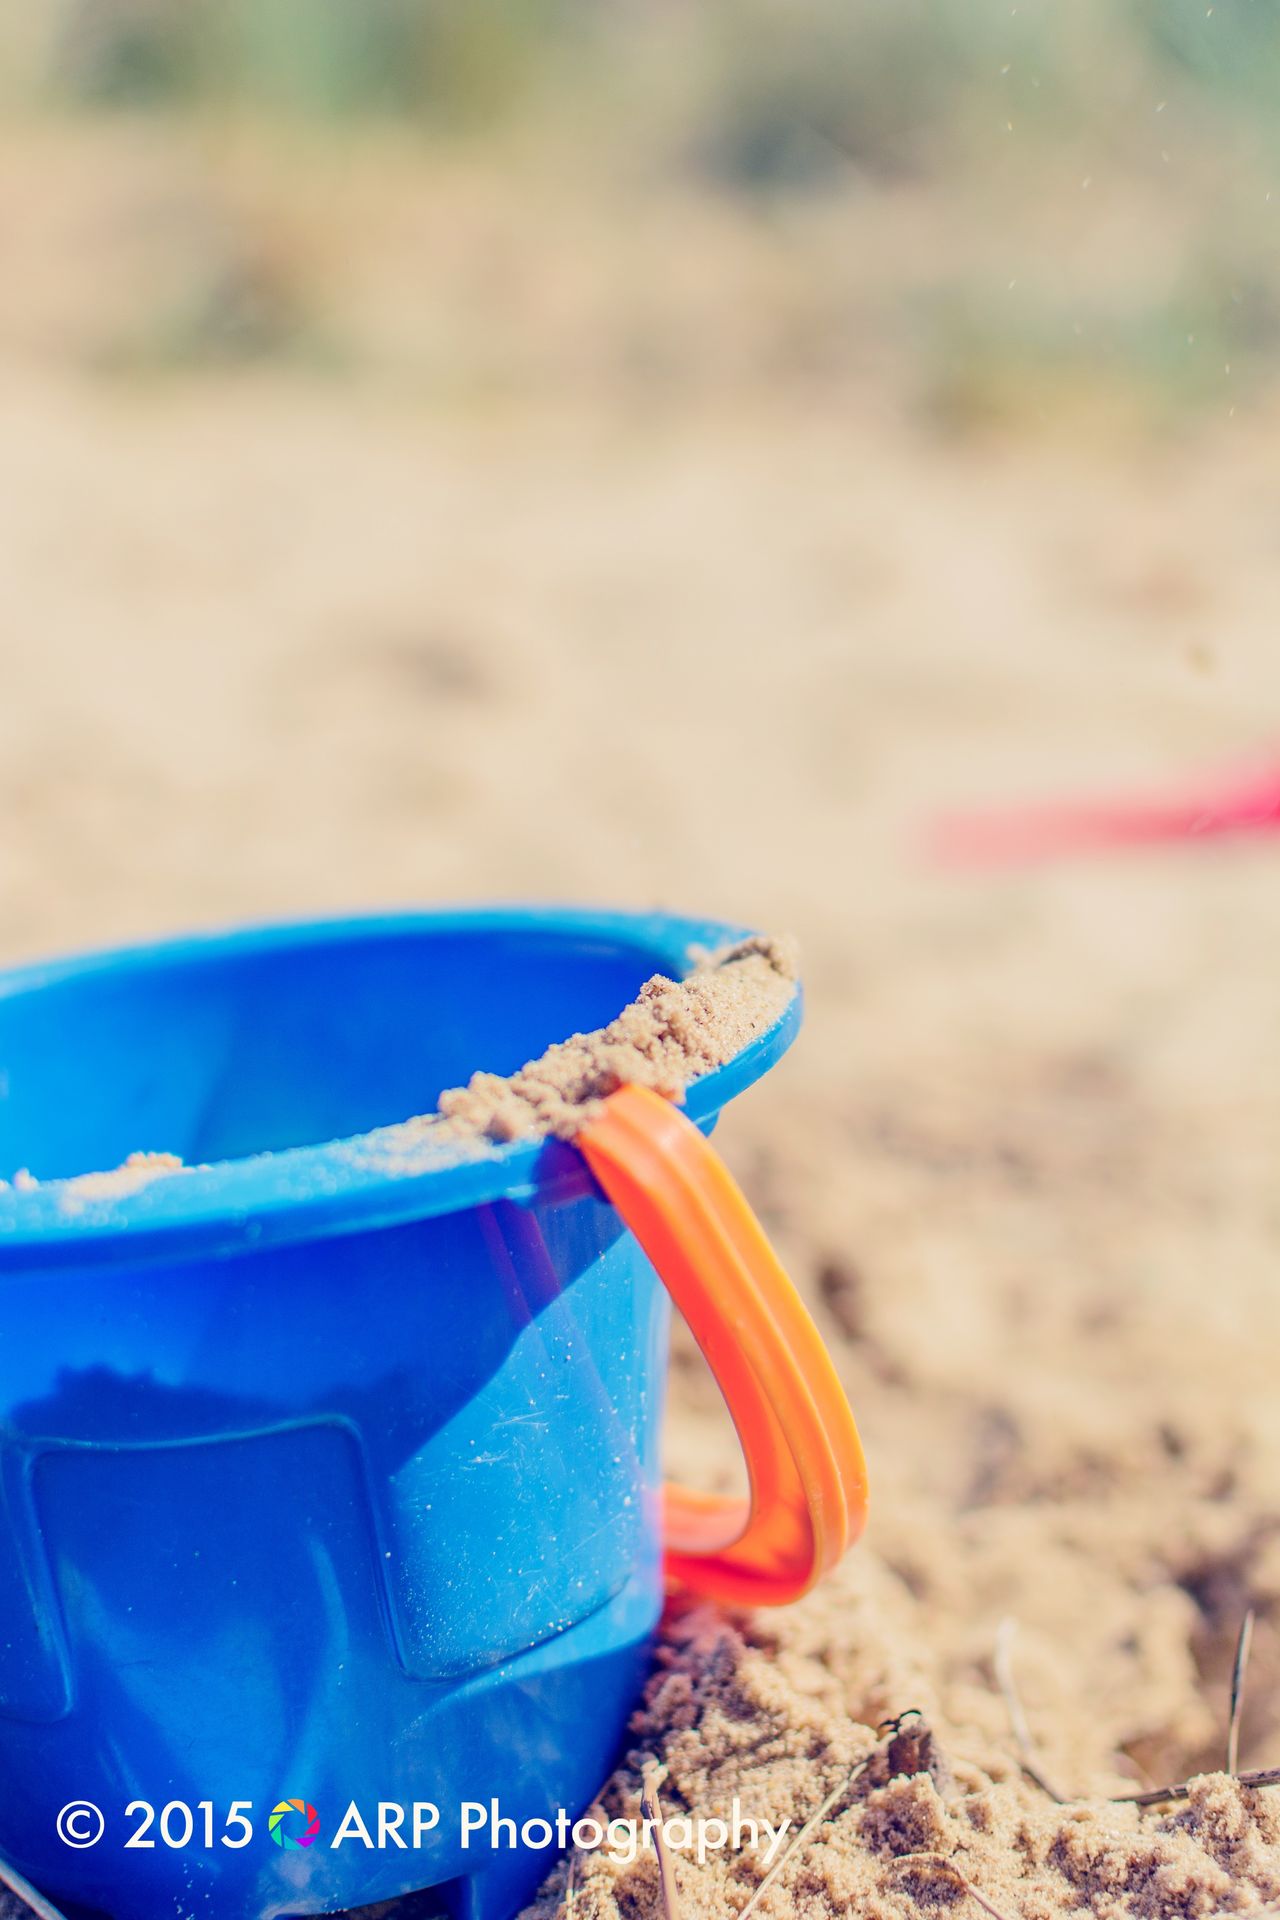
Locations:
{"points": [[807, 1475]]}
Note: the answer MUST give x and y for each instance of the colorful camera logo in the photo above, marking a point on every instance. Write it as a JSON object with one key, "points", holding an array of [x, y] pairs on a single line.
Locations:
{"points": [[286, 1818]]}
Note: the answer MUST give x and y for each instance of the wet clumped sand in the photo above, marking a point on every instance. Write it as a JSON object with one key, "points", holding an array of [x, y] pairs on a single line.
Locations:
{"points": [[673, 1032], [786, 1713]]}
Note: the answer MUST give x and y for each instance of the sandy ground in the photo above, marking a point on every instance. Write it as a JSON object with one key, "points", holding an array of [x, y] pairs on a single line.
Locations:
{"points": [[280, 639]]}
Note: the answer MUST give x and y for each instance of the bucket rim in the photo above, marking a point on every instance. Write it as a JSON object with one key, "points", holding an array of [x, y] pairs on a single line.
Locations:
{"points": [[364, 1181]]}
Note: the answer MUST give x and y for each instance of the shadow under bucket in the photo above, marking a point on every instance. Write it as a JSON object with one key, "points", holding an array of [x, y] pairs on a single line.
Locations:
{"points": [[327, 1473]]}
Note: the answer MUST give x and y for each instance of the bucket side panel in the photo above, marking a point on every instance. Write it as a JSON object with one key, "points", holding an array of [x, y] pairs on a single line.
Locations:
{"points": [[226, 1640], [535, 1502]]}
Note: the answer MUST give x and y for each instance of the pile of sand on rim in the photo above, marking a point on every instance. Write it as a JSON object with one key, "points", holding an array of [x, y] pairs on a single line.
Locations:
{"points": [[672, 1032]]}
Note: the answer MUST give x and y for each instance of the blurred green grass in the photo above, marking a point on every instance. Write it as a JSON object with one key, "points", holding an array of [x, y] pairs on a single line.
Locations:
{"points": [[766, 104], [426, 59], [1200, 344], [781, 89]]}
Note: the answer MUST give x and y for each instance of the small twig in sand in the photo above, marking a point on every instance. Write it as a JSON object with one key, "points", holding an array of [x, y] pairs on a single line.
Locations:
{"points": [[815, 1820], [651, 1809], [1150, 1796], [819, 1814], [1260, 1777], [940, 1863], [1240, 1667], [1006, 1633]]}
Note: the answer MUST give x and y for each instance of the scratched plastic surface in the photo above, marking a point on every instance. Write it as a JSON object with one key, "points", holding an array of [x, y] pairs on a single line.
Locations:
{"points": [[319, 1478]]}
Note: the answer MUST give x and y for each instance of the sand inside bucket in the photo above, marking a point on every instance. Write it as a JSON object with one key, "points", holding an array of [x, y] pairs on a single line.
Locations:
{"points": [[671, 1033]]}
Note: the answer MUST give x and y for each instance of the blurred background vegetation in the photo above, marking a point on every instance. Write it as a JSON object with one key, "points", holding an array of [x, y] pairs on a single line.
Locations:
{"points": [[797, 88], [1056, 210]]}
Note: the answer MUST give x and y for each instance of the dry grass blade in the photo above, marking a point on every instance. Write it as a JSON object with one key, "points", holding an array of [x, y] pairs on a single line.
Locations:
{"points": [[42, 1909], [815, 1820], [1006, 1633], [938, 1862], [651, 1809], [1258, 1777], [1150, 1796], [1238, 1671]]}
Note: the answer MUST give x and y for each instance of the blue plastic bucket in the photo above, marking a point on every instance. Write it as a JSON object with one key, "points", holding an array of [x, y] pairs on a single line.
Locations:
{"points": [[329, 1469]]}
